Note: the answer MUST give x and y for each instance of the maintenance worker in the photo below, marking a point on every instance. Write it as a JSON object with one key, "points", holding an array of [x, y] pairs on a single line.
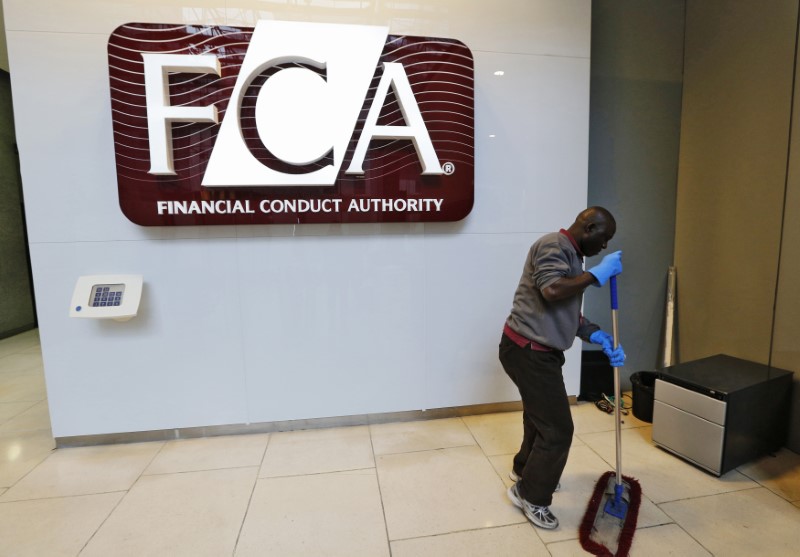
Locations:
{"points": [[544, 321]]}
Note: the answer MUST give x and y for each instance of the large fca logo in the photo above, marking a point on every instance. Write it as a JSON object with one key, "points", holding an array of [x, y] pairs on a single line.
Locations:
{"points": [[220, 125]]}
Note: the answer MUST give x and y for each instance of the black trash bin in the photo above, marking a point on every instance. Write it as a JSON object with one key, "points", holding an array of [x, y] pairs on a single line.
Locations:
{"points": [[644, 386]]}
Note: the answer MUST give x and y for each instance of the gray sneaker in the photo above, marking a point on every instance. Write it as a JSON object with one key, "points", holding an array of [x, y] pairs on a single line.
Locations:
{"points": [[515, 478], [540, 516]]}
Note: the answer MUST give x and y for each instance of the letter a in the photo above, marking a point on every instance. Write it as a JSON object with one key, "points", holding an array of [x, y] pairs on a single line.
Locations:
{"points": [[394, 75]]}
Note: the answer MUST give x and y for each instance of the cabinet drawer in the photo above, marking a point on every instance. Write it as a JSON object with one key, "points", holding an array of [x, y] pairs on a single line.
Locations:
{"points": [[698, 404], [688, 436]]}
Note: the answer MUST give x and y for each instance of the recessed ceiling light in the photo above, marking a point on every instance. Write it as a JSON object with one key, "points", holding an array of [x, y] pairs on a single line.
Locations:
{"points": [[499, 72]]}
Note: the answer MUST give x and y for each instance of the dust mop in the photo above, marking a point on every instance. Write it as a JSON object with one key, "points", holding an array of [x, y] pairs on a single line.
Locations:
{"points": [[610, 520]]}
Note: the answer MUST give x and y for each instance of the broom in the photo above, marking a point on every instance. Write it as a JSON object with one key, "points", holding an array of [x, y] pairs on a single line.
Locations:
{"points": [[610, 521]]}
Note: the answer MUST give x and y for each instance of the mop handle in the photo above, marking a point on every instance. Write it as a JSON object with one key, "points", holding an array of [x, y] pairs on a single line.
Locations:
{"points": [[614, 300], [617, 397]]}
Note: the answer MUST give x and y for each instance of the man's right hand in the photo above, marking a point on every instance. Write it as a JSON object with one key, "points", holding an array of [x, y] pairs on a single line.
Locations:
{"points": [[610, 266]]}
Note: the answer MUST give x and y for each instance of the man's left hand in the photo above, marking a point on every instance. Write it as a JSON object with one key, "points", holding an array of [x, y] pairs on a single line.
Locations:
{"points": [[615, 355]]}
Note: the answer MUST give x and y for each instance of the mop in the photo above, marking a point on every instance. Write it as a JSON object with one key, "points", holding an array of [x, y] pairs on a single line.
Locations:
{"points": [[610, 521]]}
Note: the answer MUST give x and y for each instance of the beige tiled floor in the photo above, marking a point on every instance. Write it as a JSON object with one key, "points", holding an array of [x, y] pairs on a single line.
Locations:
{"points": [[418, 489]]}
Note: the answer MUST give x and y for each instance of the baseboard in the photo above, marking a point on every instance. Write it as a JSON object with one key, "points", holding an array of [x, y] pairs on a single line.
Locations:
{"points": [[291, 425]]}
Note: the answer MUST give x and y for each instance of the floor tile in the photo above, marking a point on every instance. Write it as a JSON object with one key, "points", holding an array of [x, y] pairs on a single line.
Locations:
{"points": [[746, 523], [209, 453], [22, 452], [192, 514], [406, 437], [588, 419], [519, 540], [19, 343], [53, 527], [497, 434], [85, 470], [317, 451], [417, 487], [9, 410], [21, 361], [569, 548], [650, 514], [22, 386], [662, 475], [502, 465], [37, 417], [336, 514], [666, 540], [780, 473]]}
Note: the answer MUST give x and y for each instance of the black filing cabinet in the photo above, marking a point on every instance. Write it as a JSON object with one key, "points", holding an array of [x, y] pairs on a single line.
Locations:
{"points": [[721, 412]]}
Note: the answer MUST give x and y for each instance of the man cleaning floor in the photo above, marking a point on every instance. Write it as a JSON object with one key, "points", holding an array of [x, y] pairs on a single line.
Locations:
{"points": [[544, 321]]}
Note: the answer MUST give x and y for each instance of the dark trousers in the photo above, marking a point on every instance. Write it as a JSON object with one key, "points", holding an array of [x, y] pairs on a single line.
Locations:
{"points": [[546, 418]]}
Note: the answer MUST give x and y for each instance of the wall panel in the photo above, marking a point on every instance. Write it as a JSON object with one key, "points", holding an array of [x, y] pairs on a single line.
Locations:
{"points": [[637, 73], [734, 133], [243, 324], [786, 332]]}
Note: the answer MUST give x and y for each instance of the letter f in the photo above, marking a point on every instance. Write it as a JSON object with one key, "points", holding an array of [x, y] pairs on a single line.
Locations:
{"points": [[160, 115]]}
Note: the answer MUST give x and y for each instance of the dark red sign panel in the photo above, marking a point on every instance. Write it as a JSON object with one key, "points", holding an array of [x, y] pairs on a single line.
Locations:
{"points": [[290, 123]]}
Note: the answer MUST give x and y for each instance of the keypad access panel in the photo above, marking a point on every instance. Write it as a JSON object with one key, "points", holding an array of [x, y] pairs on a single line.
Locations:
{"points": [[106, 295]]}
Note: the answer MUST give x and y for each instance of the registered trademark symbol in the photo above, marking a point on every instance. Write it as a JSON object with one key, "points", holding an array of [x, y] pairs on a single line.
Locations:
{"points": [[448, 168]]}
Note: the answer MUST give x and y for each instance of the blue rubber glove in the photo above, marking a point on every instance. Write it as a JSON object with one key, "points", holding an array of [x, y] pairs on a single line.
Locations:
{"points": [[603, 339], [615, 356], [610, 266]]}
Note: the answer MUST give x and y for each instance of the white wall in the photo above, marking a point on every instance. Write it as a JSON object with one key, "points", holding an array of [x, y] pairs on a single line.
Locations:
{"points": [[257, 324]]}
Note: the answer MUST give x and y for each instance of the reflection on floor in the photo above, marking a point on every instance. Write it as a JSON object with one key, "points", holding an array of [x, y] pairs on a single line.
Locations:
{"points": [[433, 488]]}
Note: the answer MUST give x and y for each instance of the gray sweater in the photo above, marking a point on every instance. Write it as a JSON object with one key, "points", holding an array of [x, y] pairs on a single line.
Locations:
{"points": [[553, 324]]}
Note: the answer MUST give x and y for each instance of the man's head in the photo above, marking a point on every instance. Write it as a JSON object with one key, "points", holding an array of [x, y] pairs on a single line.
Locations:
{"points": [[593, 229]]}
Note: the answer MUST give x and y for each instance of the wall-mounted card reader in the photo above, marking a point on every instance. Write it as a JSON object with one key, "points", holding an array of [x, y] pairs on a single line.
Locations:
{"points": [[107, 297]]}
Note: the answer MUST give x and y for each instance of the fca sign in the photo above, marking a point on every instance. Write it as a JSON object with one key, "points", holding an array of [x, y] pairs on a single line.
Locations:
{"points": [[304, 114]]}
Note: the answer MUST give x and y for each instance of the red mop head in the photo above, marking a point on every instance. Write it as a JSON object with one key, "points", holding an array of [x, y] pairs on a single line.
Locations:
{"points": [[603, 531]]}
